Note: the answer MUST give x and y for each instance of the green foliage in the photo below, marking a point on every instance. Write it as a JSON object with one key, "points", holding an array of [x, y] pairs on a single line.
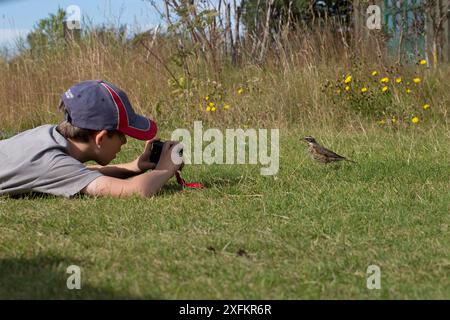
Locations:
{"points": [[48, 33], [108, 35], [297, 12], [190, 17], [390, 95], [254, 16]]}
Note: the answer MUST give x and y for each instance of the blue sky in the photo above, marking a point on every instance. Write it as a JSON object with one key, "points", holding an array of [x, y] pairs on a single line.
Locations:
{"points": [[18, 17]]}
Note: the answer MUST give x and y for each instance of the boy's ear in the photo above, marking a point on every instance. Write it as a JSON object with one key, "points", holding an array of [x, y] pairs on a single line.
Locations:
{"points": [[99, 136]]}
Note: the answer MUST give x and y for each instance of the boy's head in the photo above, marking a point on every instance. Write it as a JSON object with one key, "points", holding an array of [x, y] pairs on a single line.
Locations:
{"points": [[99, 114]]}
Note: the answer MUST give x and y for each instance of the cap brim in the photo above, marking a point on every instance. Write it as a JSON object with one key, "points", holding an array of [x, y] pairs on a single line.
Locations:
{"points": [[140, 128]]}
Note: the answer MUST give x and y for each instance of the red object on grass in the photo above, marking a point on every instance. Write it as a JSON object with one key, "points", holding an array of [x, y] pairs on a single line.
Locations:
{"points": [[183, 183]]}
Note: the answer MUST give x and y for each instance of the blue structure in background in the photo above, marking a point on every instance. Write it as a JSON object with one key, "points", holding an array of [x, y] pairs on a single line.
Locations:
{"points": [[405, 27]]}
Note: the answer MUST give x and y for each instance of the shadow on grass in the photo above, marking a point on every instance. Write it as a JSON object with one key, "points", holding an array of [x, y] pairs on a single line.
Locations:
{"points": [[167, 190], [214, 182], [45, 277], [220, 182], [33, 196]]}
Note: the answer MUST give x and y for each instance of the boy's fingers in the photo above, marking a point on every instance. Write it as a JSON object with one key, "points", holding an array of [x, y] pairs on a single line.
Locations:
{"points": [[149, 144], [148, 147], [173, 143], [152, 140], [169, 144]]}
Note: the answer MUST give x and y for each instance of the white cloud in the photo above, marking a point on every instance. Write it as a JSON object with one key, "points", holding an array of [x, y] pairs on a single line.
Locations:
{"points": [[8, 36]]}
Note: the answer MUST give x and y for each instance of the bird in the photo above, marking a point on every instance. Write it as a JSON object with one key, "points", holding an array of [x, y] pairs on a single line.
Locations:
{"points": [[322, 154]]}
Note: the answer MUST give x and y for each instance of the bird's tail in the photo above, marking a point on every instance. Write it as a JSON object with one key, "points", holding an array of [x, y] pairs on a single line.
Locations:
{"points": [[350, 160]]}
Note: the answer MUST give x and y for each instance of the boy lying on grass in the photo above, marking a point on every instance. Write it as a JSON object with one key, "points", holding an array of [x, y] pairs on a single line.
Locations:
{"points": [[49, 159]]}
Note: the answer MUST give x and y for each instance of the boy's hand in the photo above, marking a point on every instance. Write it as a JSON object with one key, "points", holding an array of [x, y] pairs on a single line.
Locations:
{"points": [[142, 162], [165, 161]]}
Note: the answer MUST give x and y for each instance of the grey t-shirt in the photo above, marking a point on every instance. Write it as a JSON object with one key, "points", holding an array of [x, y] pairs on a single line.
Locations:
{"points": [[36, 160]]}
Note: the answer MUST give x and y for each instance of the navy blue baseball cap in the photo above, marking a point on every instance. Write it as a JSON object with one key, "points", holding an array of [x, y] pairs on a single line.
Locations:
{"points": [[100, 105]]}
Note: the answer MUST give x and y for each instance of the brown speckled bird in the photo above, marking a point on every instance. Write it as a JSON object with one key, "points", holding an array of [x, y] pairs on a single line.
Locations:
{"points": [[322, 154]]}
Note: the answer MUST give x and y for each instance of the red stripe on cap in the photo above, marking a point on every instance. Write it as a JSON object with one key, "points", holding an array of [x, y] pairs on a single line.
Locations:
{"points": [[123, 123], [120, 107]]}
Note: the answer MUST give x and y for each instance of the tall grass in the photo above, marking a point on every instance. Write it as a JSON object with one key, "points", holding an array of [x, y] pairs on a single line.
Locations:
{"points": [[286, 90]]}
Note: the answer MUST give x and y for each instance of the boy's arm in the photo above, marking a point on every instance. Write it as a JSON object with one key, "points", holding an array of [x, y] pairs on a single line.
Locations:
{"points": [[143, 185], [121, 171], [130, 169]]}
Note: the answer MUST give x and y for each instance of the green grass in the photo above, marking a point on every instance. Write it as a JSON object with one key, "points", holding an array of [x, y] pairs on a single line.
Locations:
{"points": [[309, 232]]}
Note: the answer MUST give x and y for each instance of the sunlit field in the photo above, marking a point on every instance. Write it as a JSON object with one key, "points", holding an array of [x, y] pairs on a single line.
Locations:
{"points": [[308, 232]]}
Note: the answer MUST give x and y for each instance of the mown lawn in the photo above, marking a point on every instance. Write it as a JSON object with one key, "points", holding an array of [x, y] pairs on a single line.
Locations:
{"points": [[310, 232]]}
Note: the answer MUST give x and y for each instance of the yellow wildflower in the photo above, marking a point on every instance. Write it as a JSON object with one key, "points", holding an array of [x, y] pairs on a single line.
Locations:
{"points": [[416, 80], [381, 122], [348, 79], [211, 104], [226, 106], [213, 109], [408, 90], [384, 80], [374, 73], [415, 120], [347, 88], [423, 61], [364, 89], [398, 80], [384, 89], [426, 106], [208, 108], [207, 98], [393, 120], [240, 91]]}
